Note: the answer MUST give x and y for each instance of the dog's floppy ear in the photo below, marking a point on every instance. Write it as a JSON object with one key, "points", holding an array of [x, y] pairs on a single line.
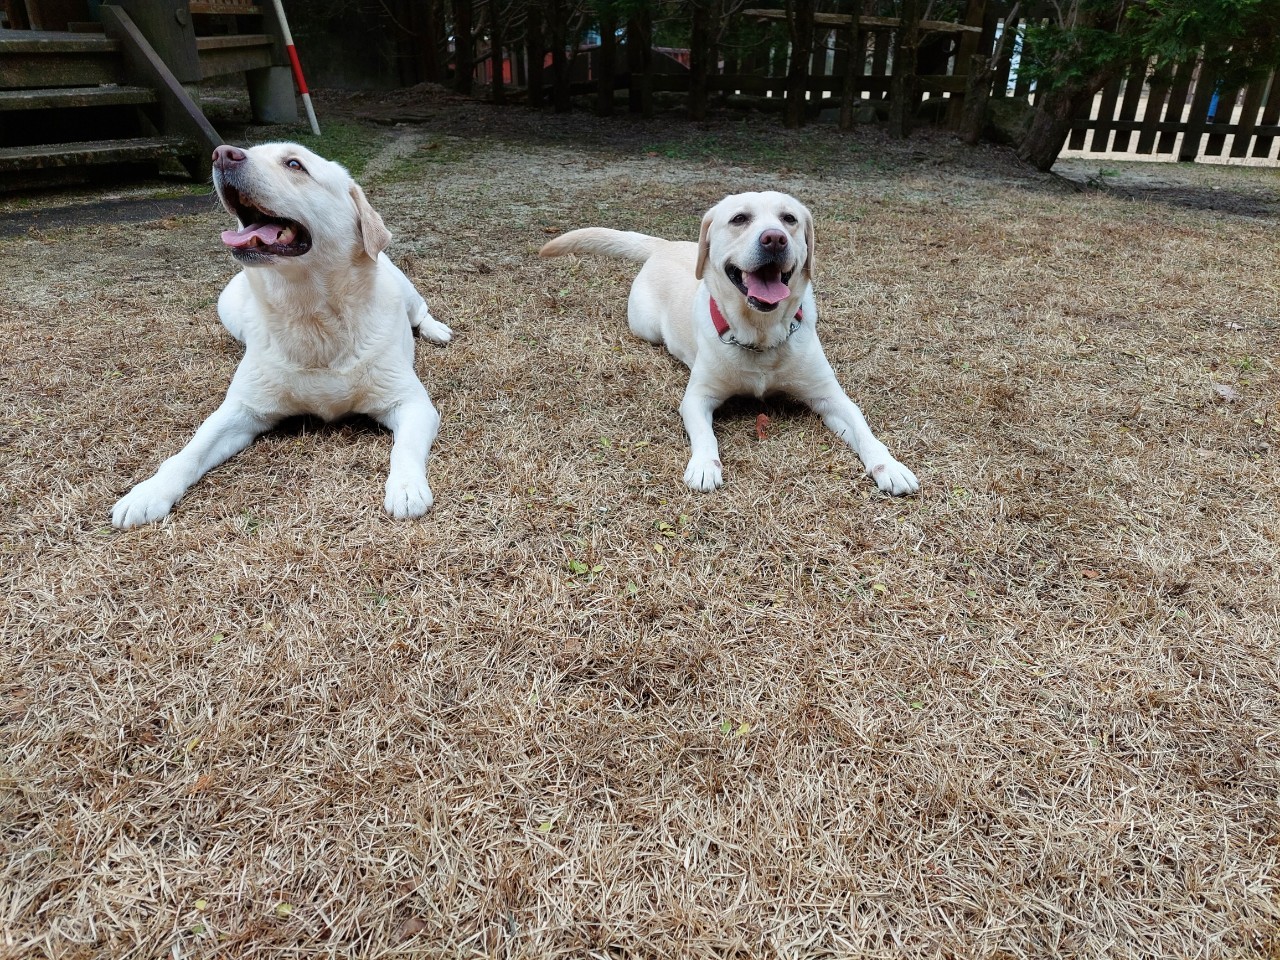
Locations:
{"points": [[704, 244], [372, 232], [808, 242]]}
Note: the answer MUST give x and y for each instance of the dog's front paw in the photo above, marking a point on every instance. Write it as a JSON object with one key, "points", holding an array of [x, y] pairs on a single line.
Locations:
{"points": [[703, 475], [429, 328], [893, 478], [146, 502], [408, 497]]}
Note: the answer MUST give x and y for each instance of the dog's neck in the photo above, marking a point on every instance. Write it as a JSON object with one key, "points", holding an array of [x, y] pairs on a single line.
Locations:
{"points": [[308, 315], [756, 330]]}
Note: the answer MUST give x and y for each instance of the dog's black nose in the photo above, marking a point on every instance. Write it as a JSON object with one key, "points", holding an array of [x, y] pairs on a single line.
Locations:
{"points": [[774, 240], [226, 156]]}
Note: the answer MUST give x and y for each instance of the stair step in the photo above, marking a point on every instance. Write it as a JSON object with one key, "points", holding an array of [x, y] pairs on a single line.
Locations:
{"points": [[234, 53], [30, 58], [37, 41], [57, 97], [48, 156], [224, 8], [233, 40]]}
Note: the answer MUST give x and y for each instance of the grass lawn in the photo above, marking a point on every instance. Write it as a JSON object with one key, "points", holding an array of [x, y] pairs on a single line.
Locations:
{"points": [[580, 711]]}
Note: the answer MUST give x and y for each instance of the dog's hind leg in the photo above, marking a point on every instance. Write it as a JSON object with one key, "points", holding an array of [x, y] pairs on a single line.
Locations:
{"points": [[427, 326], [420, 319]]}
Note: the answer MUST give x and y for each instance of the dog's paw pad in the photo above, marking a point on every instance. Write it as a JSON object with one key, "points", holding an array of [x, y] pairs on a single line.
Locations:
{"points": [[893, 478], [704, 475], [408, 498]]}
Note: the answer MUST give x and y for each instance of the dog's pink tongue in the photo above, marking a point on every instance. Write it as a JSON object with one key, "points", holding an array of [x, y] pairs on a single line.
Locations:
{"points": [[766, 285], [268, 233]]}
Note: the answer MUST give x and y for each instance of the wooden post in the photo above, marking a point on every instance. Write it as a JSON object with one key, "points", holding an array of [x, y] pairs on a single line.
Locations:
{"points": [[178, 112], [855, 62], [1180, 84], [166, 24], [1248, 117], [974, 16], [1227, 97], [801, 29], [903, 84], [1106, 120], [1270, 116], [1199, 117], [1134, 81], [1160, 79]]}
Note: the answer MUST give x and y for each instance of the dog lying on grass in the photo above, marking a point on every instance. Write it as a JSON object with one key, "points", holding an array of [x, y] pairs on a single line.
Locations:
{"points": [[737, 308], [327, 321]]}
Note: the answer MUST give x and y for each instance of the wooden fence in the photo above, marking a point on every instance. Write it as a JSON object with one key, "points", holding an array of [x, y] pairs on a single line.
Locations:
{"points": [[1175, 111], [854, 67]]}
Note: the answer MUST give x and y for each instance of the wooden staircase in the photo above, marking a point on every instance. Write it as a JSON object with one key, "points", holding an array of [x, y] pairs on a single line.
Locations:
{"points": [[72, 103]]}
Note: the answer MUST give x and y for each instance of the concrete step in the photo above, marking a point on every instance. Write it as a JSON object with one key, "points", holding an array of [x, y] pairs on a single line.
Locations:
{"points": [[53, 98], [30, 58], [52, 156]]}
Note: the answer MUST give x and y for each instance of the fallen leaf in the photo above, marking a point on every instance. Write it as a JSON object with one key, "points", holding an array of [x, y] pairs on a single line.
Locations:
{"points": [[1090, 574], [203, 782], [410, 928]]}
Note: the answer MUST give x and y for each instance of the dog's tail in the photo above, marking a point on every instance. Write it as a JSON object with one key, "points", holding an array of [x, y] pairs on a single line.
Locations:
{"points": [[601, 240]]}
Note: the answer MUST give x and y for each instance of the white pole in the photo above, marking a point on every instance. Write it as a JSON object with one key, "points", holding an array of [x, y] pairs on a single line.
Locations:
{"points": [[297, 68]]}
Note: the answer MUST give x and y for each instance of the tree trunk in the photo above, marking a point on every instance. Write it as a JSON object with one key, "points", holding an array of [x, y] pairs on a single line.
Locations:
{"points": [[436, 43], [557, 31], [973, 111], [499, 82], [800, 21], [1055, 109], [640, 61], [463, 49], [903, 85], [535, 50], [607, 60], [699, 50]]}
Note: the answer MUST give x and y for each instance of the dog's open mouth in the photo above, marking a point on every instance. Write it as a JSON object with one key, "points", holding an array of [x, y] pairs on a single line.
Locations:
{"points": [[764, 287], [264, 234]]}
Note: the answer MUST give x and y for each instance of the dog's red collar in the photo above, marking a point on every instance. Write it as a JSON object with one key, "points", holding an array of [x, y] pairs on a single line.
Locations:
{"points": [[722, 327]]}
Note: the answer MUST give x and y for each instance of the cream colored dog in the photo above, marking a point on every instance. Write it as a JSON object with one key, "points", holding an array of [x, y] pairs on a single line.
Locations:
{"points": [[737, 308], [326, 319]]}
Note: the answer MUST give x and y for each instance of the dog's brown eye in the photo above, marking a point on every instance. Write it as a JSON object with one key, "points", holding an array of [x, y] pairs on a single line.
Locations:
{"points": [[789, 218], [739, 219], [295, 164]]}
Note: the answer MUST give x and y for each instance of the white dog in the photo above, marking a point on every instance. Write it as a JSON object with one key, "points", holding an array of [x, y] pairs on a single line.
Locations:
{"points": [[738, 309], [326, 319]]}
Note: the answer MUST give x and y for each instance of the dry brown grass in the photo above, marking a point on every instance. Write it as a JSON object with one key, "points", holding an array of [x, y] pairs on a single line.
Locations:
{"points": [[1031, 713]]}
